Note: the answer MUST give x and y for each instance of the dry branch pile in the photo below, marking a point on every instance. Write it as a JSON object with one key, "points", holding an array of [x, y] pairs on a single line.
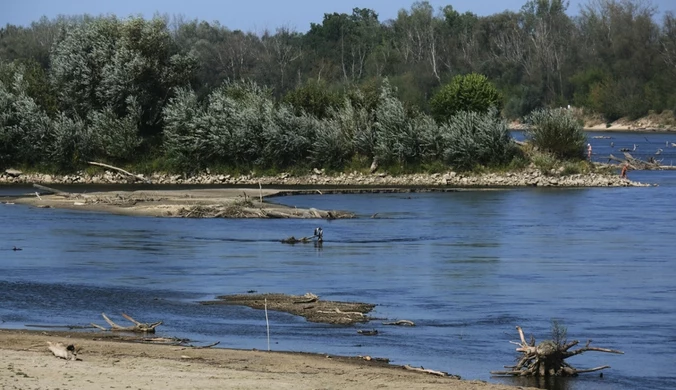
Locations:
{"points": [[548, 358]]}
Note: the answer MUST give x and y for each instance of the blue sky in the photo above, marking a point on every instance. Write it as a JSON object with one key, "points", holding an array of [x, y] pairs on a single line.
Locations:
{"points": [[249, 15]]}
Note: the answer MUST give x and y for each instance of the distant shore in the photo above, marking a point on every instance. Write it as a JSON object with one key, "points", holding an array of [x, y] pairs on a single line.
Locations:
{"points": [[111, 360]]}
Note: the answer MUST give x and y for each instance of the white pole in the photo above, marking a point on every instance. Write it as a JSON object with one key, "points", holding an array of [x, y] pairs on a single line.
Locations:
{"points": [[267, 323]]}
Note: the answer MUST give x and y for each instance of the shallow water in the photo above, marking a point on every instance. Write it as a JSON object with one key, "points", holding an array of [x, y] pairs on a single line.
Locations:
{"points": [[466, 266]]}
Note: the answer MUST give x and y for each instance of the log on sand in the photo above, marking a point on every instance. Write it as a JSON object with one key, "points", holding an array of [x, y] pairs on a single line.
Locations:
{"points": [[137, 177]]}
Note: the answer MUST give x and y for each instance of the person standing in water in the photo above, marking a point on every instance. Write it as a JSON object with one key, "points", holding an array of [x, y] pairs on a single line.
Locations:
{"points": [[589, 152], [623, 174]]}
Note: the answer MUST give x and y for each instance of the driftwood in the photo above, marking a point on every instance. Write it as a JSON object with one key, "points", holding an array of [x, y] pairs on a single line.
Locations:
{"points": [[60, 350], [294, 240], [638, 164], [400, 323], [426, 371], [137, 177], [49, 190], [372, 332], [548, 358], [138, 327]]}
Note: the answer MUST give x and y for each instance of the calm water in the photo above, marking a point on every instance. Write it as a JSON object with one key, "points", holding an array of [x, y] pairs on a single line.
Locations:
{"points": [[466, 266]]}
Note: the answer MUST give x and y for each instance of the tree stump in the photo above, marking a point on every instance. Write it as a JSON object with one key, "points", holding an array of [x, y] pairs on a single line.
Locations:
{"points": [[548, 358]]}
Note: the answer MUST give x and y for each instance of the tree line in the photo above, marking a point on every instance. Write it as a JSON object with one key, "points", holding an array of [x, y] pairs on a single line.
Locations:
{"points": [[84, 86]]}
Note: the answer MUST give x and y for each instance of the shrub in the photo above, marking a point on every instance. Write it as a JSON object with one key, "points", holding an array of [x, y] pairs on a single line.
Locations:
{"points": [[117, 137], [472, 138], [24, 126], [556, 131], [72, 142], [395, 138], [313, 98], [472, 92]]}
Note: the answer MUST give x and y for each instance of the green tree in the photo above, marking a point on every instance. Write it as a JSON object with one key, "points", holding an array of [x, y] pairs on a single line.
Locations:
{"points": [[472, 92]]}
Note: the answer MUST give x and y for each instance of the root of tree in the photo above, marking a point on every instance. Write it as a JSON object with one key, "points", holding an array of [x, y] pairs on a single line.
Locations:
{"points": [[548, 358]]}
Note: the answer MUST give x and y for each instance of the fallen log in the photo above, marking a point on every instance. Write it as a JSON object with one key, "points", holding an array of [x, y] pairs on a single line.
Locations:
{"points": [[426, 371], [138, 327], [137, 177], [49, 190], [548, 357], [400, 323]]}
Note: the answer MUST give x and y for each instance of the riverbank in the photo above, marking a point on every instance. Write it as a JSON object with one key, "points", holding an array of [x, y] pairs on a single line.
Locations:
{"points": [[111, 361], [524, 178]]}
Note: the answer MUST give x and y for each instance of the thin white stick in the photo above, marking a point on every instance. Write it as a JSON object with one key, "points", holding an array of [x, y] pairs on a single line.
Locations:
{"points": [[267, 323], [38, 195], [260, 191]]}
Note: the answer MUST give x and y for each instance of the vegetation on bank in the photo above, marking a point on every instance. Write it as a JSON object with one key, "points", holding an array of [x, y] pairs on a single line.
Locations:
{"points": [[351, 92]]}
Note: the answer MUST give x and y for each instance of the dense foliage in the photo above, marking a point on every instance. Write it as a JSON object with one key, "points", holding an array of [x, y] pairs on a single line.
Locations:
{"points": [[472, 93], [351, 88], [556, 131]]}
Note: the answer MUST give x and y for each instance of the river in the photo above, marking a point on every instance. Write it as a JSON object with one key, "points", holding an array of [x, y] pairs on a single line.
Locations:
{"points": [[466, 266]]}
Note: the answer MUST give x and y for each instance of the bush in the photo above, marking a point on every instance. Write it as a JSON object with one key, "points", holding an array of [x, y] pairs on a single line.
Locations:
{"points": [[72, 143], [472, 92], [556, 131], [116, 137], [395, 138], [24, 126], [472, 139], [313, 98]]}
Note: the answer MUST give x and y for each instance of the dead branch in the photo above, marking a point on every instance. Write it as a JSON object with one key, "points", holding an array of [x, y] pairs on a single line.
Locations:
{"points": [[137, 327], [400, 323], [49, 190], [137, 177], [548, 358], [310, 297], [338, 311], [426, 371], [204, 346]]}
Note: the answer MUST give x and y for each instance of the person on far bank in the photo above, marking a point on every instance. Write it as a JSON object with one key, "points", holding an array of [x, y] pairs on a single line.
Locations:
{"points": [[589, 152], [623, 174]]}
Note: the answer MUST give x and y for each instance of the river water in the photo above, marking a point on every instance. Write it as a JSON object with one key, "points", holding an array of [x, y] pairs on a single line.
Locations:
{"points": [[466, 266]]}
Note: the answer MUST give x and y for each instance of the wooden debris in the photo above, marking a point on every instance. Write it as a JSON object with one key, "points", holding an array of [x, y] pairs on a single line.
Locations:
{"points": [[136, 177], [548, 358], [293, 240], [431, 372], [60, 350], [49, 190], [400, 323], [309, 298], [373, 332], [137, 327]]}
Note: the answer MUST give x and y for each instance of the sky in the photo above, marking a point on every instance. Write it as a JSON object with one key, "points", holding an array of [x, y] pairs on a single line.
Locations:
{"points": [[250, 15]]}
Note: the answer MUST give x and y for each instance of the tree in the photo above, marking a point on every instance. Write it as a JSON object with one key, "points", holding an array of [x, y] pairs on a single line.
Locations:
{"points": [[472, 92]]}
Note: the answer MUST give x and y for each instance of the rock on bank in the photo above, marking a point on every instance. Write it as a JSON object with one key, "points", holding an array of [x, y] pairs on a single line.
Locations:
{"points": [[529, 177]]}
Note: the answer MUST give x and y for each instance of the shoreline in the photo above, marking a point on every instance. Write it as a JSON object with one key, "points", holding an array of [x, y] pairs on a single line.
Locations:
{"points": [[109, 360], [241, 202]]}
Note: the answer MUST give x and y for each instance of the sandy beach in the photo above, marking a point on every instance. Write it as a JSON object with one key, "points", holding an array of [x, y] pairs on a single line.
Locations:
{"points": [[110, 362]]}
